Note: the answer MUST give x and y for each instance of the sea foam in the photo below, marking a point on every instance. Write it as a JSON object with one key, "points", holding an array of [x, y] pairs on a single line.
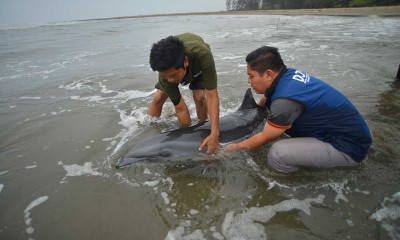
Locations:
{"points": [[27, 213], [247, 225], [78, 170], [388, 215]]}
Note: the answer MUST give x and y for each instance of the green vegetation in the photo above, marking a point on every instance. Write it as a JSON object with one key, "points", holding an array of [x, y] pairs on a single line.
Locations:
{"points": [[240, 5]]}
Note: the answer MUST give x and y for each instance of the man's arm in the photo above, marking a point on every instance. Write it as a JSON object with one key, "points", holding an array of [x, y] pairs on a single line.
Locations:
{"points": [[212, 141], [268, 134], [157, 103], [283, 113], [182, 113]]}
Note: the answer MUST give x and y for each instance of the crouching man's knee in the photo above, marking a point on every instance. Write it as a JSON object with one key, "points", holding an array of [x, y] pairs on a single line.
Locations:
{"points": [[279, 158]]}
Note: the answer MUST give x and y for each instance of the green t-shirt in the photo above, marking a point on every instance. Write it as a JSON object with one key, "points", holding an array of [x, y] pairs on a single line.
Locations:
{"points": [[201, 64]]}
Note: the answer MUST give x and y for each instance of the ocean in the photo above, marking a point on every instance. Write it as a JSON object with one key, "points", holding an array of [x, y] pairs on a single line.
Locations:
{"points": [[74, 98]]}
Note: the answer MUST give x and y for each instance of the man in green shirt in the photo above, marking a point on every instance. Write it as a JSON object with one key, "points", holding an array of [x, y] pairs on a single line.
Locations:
{"points": [[187, 59]]}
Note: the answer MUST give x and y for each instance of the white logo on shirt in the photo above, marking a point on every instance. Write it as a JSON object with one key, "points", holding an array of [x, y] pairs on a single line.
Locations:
{"points": [[301, 77], [197, 74]]}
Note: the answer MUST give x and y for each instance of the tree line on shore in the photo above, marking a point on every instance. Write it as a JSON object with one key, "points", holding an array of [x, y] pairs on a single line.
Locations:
{"points": [[241, 5]]}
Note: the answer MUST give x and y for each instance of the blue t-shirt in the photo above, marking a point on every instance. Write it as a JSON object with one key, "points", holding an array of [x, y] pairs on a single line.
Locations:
{"points": [[328, 115]]}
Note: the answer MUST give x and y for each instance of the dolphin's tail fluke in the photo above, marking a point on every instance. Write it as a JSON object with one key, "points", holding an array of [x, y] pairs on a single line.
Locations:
{"points": [[248, 101]]}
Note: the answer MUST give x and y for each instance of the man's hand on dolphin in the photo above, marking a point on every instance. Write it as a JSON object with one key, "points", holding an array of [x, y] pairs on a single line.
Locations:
{"points": [[212, 143], [231, 147]]}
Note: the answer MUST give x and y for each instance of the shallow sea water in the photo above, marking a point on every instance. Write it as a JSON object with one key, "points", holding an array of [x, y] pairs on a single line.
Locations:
{"points": [[74, 97]]}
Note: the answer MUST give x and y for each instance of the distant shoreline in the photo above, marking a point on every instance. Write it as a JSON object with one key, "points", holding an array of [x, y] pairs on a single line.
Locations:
{"points": [[365, 11]]}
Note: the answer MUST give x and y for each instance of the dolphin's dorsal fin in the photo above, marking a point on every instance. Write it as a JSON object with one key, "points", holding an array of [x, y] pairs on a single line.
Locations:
{"points": [[248, 101]]}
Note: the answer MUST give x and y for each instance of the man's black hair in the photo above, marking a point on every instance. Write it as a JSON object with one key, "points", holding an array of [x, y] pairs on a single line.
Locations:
{"points": [[167, 53], [265, 58]]}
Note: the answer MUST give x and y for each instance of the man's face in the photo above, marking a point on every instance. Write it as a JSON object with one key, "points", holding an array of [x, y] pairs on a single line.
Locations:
{"points": [[259, 82], [174, 75]]}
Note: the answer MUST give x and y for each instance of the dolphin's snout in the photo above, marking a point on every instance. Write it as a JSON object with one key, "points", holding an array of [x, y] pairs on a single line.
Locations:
{"points": [[124, 162]]}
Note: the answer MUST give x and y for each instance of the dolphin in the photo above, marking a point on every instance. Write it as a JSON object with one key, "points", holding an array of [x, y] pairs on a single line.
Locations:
{"points": [[183, 143]]}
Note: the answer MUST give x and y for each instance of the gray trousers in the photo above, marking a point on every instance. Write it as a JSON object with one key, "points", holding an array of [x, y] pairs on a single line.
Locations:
{"points": [[289, 155]]}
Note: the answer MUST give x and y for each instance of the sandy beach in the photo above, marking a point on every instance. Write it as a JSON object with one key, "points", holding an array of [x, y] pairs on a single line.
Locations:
{"points": [[384, 11], [365, 11]]}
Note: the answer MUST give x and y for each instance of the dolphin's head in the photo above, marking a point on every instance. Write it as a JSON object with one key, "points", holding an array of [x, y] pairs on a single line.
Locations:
{"points": [[160, 151], [126, 161], [148, 153]]}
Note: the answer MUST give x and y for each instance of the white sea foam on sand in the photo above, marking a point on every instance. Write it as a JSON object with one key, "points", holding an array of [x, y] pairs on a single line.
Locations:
{"points": [[179, 233], [79, 170], [27, 213], [165, 197], [30, 167], [247, 225], [151, 183], [339, 188], [388, 215], [31, 98]]}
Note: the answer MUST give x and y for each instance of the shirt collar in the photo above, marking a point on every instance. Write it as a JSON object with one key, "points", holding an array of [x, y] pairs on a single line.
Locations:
{"points": [[268, 93]]}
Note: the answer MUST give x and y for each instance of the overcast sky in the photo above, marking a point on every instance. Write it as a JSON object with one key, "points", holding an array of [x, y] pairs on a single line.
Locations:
{"points": [[41, 11]]}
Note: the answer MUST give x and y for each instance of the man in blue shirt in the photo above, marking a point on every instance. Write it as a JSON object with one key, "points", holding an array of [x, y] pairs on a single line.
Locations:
{"points": [[326, 129]]}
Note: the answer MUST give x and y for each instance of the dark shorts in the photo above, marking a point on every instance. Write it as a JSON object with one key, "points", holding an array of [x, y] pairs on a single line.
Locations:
{"points": [[197, 84]]}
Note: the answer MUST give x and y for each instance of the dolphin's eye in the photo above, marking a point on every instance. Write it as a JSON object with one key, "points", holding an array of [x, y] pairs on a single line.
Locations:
{"points": [[165, 153]]}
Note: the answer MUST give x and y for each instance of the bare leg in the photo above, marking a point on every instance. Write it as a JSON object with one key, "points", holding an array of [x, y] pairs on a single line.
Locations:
{"points": [[199, 97], [156, 105]]}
